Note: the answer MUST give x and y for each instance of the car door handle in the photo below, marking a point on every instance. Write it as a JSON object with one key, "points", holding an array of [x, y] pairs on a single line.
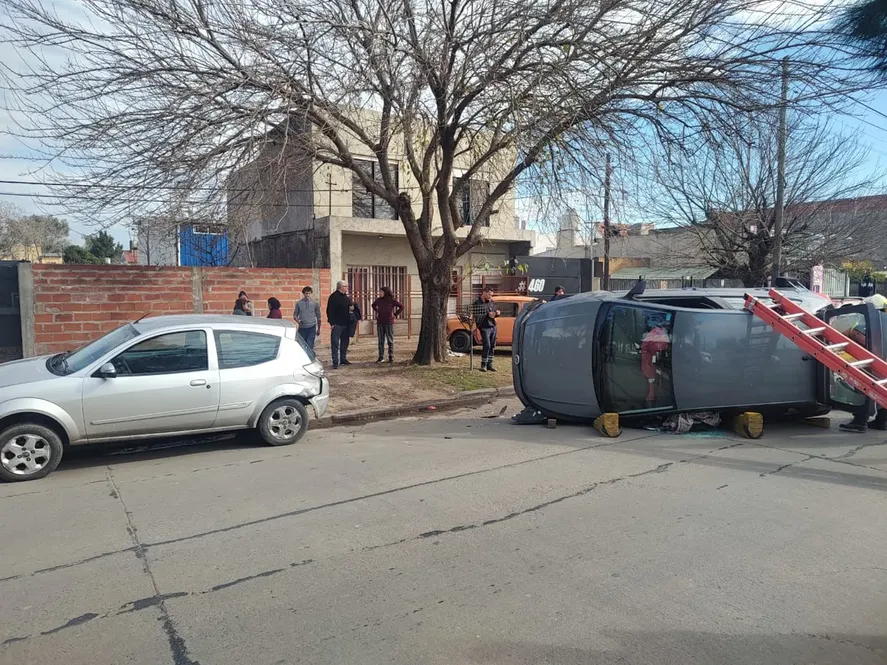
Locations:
{"points": [[198, 382]]}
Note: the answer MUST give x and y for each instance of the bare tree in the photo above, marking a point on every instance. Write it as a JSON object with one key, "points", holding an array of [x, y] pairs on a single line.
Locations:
{"points": [[723, 191], [27, 236], [168, 96]]}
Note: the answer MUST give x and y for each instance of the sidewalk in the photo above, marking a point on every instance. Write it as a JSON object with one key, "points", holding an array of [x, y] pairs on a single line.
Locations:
{"points": [[365, 385]]}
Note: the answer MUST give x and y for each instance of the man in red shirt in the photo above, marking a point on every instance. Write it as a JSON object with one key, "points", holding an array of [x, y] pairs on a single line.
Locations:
{"points": [[387, 308]]}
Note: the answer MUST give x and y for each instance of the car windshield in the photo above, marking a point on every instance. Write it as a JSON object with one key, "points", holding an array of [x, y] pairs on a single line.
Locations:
{"points": [[68, 363], [635, 362]]}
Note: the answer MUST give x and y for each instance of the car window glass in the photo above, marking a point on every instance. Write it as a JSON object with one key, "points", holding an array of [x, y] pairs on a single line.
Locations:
{"points": [[165, 354], [507, 308], [636, 359], [307, 349], [91, 352], [738, 302], [245, 349], [854, 326], [684, 301]]}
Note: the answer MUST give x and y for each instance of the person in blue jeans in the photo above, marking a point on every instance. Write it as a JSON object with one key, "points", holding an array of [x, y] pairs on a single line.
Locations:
{"points": [[307, 316], [485, 313], [339, 309]]}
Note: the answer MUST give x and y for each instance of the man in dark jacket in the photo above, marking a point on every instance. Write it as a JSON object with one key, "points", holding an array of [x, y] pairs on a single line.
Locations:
{"points": [[866, 287], [485, 314], [338, 314]]}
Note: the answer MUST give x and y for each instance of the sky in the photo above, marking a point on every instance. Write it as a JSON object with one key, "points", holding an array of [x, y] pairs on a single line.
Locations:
{"points": [[21, 171]]}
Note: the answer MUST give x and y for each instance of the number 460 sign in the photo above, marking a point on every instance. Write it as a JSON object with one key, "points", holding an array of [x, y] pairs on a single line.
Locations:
{"points": [[537, 285]]}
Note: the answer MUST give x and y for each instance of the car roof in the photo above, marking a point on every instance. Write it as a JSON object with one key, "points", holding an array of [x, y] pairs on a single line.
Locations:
{"points": [[154, 323]]}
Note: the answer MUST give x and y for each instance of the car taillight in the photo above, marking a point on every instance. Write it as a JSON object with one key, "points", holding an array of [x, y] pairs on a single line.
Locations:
{"points": [[314, 368]]}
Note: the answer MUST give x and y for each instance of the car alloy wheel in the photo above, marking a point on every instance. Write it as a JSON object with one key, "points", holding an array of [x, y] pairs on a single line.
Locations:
{"points": [[285, 422], [26, 454]]}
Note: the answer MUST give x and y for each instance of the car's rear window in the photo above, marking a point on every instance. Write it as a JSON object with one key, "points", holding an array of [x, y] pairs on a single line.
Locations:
{"points": [[305, 347], [245, 349]]}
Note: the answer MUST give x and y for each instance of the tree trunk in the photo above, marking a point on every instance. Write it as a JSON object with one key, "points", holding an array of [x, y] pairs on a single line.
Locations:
{"points": [[436, 283]]}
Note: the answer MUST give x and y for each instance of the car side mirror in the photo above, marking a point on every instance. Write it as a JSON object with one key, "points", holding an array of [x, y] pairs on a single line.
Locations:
{"points": [[107, 371]]}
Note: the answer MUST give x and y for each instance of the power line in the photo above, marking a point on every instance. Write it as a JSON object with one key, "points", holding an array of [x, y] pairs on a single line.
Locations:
{"points": [[79, 197]]}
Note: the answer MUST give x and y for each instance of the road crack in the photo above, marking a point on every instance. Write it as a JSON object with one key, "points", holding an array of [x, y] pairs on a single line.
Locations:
{"points": [[177, 645], [851, 453]]}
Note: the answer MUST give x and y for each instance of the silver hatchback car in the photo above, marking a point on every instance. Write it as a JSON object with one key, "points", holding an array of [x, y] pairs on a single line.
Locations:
{"points": [[158, 377]]}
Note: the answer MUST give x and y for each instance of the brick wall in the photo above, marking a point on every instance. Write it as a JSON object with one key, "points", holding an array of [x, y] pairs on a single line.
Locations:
{"points": [[73, 304]]}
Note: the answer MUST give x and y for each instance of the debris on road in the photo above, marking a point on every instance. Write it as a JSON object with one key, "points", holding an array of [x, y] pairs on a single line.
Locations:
{"points": [[681, 423]]}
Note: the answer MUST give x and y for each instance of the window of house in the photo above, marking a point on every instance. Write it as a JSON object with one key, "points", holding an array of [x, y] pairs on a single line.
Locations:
{"points": [[474, 194], [245, 349], [165, 354], [363, 202], [364, 283], [206, 229], [456, 285]]}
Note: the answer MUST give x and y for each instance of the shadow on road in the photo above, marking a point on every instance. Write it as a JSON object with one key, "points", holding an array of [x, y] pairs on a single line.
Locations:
{"points": [[686, 648], [79, 457]]}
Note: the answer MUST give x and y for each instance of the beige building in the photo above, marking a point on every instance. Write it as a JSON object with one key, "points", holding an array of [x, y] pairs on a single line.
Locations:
{"points": [[32, 254], [299, 212]]}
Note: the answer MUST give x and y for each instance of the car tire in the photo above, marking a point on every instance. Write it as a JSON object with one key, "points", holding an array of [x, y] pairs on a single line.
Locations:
{"points": [[29, 451], [460, 342], [283, 422]]}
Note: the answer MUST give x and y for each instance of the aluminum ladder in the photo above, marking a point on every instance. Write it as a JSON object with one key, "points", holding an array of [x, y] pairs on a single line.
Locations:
{"points": [[858, 367]]}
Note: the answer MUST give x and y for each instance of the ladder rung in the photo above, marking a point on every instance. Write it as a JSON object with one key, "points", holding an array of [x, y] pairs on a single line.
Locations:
{"points": [[814, 331], [862, 363], [793, 317], [838, 346]]}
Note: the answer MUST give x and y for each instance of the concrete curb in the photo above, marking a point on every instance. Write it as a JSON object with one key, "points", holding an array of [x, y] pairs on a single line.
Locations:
{"points": [[460, 400]]}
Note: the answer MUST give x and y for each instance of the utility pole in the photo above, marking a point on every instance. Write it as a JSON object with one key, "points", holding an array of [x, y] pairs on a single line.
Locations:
{"points": [[605, 282], [780, 179], [329, 183], [589, 244]]}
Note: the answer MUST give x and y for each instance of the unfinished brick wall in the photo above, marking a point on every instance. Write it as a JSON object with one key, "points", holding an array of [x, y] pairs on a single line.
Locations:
{"points": [[73, 304]]}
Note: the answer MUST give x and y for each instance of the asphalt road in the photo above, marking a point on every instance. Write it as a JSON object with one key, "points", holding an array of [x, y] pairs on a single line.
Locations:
{"points": [[456, 539]]}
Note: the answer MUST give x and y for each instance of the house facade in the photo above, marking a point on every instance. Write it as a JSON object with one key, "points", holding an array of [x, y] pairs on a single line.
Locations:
{"points": [[300, 213]]}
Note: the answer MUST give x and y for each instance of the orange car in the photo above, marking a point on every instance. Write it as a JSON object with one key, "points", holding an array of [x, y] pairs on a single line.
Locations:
{"points": [[460, 328]]}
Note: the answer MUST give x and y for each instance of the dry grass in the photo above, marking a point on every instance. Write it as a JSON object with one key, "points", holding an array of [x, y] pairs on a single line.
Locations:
{"points": [[366, 385]]}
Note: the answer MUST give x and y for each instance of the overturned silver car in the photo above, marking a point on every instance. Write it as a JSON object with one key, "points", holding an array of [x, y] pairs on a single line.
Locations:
{"points": [[595, 353]]}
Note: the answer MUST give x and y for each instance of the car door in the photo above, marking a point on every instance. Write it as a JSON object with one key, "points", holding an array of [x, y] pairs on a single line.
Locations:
{"points": [[167, 383], [248, 368], [864, 325]]}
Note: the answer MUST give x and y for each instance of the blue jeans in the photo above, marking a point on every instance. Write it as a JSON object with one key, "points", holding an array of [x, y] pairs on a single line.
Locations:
{"points": [[488, 340], [339, 341], [309, 335]]}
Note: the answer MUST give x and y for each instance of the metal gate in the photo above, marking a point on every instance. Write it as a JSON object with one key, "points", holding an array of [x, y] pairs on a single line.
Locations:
{"points": [[10, 313]]}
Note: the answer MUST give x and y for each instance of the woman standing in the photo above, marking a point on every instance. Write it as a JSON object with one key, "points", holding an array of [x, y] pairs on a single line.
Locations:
{"points": [[243, 306], [387, 308], [274, 309]]}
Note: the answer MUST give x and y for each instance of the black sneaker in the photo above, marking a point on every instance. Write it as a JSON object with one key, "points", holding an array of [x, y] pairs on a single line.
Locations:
{"points": [[335, 367], [379, 360], [490, 368], [878, 425], [390, 360], [852, 427], [483, 368], [345, 362]]}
